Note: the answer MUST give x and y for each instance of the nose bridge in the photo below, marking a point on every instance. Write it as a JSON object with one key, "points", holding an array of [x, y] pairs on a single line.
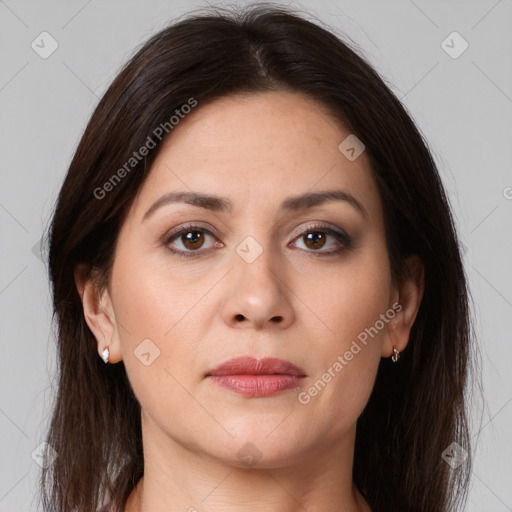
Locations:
{"points": [[259, 294], [257, 266]]}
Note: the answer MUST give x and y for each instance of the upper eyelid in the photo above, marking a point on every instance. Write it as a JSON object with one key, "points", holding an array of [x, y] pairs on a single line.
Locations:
{"points": [[312, 225], [297, 233], [187, 227]]}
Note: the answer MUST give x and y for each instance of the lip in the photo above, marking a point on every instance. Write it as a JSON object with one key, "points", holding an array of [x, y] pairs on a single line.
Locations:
{"points": [[257, 377]]}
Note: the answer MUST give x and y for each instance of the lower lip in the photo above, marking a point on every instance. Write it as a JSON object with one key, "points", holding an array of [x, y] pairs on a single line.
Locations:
{"points": [[257, 385]]}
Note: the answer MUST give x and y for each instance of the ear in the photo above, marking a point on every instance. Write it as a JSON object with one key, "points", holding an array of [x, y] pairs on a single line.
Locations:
{"points": [[407, 299], [98, 312]]}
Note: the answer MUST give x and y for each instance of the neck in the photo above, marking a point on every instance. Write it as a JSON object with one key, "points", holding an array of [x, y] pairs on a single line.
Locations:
{"points": [[179, 478]]}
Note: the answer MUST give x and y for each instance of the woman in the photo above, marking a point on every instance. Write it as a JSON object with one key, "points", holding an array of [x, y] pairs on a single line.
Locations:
{"points": [[258, 286]]}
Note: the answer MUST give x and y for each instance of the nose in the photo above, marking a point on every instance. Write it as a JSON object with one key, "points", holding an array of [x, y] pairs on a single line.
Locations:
{"points": [[258, 296]]}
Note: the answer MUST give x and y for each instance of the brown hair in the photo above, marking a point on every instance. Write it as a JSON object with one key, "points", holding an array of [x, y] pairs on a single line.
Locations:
{"points": [[417, 407]]}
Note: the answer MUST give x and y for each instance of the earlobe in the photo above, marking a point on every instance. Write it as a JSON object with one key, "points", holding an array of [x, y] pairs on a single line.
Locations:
{"points": [[410, 293], [98, 313]]}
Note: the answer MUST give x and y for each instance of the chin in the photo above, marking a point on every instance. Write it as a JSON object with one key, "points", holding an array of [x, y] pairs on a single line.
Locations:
{"points": [[257, 450]]}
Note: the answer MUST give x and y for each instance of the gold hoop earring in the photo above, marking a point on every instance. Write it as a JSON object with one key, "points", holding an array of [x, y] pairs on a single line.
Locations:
{"points": [[396, 355]]}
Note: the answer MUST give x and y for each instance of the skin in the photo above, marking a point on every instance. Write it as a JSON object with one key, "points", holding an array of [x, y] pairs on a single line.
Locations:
{"points": [[256, 150]]}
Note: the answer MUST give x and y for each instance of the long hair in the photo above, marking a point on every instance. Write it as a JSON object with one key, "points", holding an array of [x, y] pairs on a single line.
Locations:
{"points": [[417, 408]]}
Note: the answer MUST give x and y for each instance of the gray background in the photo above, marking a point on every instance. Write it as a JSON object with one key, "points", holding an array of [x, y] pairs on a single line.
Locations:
{"points": [[462, 105]]}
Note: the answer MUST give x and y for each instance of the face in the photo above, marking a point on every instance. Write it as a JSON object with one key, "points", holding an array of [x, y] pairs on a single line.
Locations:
{"points": [[253, 274]]}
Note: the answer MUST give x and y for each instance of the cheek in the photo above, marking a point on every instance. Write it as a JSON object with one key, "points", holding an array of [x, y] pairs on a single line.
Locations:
{"points": [[344, 299], [345, 371], [153, 310], [153, 299], [352, 389], [350, 304], [157, 339]]}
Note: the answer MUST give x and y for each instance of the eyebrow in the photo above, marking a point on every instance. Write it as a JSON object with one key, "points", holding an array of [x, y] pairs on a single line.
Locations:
{"points": [[223, 204]]}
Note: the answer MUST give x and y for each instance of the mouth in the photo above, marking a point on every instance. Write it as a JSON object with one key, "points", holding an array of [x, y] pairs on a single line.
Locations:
{"points": [[257, 377]]}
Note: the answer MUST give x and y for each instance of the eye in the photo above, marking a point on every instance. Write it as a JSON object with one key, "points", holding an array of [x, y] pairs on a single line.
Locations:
{"points": [[318, 237], [191, 238]]}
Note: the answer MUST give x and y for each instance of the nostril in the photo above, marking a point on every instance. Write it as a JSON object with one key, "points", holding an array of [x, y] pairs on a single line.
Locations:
{"points": [[239, 317]]}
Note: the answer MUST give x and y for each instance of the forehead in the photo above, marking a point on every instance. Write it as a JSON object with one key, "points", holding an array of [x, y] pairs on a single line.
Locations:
{"points": [[263, 126], [267, 146]]}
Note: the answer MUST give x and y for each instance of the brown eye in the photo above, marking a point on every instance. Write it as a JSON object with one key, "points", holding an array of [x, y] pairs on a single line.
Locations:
{"points": [[193, 240], [189, 241], [315, 240]]}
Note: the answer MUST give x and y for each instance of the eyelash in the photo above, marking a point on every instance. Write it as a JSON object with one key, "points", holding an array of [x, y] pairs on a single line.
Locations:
{"points": [[317, 228]]}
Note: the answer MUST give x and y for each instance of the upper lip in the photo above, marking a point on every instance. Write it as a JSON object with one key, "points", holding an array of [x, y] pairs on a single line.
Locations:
{"points": [[252, 366]]}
